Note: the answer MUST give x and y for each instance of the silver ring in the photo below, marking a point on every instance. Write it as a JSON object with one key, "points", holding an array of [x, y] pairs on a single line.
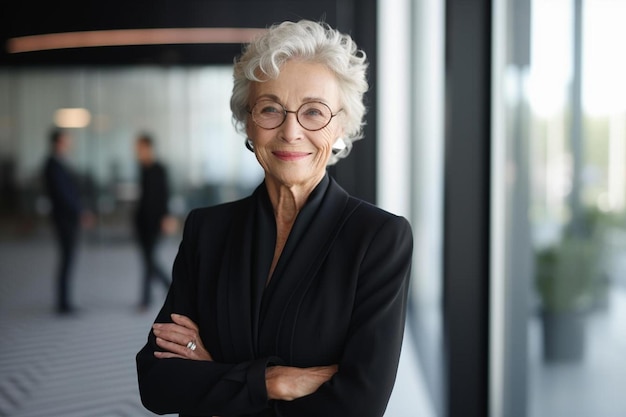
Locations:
{"points": [[191, 345]]}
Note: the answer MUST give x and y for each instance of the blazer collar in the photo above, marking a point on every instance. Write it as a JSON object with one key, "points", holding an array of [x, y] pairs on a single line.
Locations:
{"points": [[252, 310], [306, 249]]}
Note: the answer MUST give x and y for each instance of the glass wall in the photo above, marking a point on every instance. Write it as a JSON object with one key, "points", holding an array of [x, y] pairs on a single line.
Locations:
{"points": [[186, 110], [410, 85], [559, 216]]}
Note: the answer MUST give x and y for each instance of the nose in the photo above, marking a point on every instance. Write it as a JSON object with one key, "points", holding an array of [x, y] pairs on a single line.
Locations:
{"points": [[290, 130]]}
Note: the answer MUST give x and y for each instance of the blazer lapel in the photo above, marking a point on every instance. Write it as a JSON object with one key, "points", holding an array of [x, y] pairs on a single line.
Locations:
{"points": [[294, 274], [234, 309]]}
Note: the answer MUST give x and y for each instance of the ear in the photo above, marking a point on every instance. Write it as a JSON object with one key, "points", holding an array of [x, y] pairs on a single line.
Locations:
{"points": [[339, 132], [249, 128], [338, 142]]}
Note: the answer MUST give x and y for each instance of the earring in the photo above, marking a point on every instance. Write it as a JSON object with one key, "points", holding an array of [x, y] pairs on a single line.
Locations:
{"points": [[339, 146], [249, 145]]}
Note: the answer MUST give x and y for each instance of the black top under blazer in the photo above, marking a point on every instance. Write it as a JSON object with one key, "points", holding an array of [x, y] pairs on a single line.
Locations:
{"points": [[338, 295]]}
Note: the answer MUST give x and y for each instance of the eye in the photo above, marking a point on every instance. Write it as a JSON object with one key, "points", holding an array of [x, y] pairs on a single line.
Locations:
{"points": [[315, 110], [268, 108]]}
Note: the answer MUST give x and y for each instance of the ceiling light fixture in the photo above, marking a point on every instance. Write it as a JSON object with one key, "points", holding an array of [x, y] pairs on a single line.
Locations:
{"points": [[75, 117], [127, 37]]}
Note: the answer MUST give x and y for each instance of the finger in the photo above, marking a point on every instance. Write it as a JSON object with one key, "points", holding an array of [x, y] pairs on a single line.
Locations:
{"points": [[174, 331], [173, 347], [198, 357], [184, 321], [165, 355], [174, 350], [175, 327], [176, 338]]}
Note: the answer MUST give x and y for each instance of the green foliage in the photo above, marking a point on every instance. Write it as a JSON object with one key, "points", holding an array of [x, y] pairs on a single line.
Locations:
{"points": [[567, 274]]}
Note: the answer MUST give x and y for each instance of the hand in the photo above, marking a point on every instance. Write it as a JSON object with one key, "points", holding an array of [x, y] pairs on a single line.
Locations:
{"points": [[174, 338], [289, 383]]}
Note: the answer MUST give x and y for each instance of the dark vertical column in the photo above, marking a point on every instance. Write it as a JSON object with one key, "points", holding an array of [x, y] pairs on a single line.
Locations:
{"points": [[467, 206], [357, 173]]}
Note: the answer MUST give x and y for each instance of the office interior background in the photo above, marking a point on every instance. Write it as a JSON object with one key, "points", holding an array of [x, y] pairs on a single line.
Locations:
{"points": [[497, 127]]}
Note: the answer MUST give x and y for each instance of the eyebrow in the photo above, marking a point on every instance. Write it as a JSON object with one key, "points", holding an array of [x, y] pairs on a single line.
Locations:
{"points": [[304, 100]]}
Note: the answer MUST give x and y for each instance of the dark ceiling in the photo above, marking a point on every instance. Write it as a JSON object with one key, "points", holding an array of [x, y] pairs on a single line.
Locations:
{"points": [[356, 17], [21, 18]]}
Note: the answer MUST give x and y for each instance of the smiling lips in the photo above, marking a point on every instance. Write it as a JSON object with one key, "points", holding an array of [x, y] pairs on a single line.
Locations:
{"points": [[290, 156]]}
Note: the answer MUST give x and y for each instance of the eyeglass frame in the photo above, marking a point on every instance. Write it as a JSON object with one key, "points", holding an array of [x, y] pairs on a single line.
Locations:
{"points": [[295, 112]]}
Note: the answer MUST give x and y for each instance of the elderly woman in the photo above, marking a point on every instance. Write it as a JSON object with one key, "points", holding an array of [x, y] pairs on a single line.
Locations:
{"points": [[292, 301]]}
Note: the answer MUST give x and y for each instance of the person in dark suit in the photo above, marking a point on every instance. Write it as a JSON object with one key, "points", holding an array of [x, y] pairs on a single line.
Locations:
{"points": [[66, 212], [151, 215], [291, 301]]}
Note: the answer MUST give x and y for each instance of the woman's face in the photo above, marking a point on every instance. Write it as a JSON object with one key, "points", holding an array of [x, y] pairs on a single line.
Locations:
{"points": [[291, 154]]}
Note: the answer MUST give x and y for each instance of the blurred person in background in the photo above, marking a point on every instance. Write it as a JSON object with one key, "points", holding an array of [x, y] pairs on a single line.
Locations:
{"points": [[67, 213], [151, 219], [292, 301]]}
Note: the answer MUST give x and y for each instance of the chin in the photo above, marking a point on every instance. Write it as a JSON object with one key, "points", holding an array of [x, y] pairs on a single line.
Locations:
{"points": [[291, 178]]}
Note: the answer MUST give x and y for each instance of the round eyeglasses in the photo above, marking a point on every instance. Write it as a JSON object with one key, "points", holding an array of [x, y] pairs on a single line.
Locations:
{"points": [[313, 115]]}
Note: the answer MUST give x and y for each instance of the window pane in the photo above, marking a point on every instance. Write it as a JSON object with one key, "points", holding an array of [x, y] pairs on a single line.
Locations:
{"points": [[186, 110], [561, 148]]}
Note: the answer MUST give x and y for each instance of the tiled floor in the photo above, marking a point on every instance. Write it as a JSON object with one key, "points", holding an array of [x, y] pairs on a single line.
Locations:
{"points": [[594, 387], [84, 366]]}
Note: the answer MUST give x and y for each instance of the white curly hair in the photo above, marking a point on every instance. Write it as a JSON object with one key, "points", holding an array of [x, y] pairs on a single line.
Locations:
{"points": [[311, 41]]}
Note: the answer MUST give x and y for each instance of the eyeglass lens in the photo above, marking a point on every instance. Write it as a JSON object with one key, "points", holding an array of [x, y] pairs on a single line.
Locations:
{"points": [[269, 114]]}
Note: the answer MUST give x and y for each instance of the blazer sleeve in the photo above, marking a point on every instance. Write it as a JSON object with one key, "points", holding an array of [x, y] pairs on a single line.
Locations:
{"points": [[192, 387], [369, 363]]}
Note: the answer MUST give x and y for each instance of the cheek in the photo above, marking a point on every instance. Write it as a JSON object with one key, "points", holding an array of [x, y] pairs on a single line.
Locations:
{"points": [[328, 138], [254, 134], [324, 144]]}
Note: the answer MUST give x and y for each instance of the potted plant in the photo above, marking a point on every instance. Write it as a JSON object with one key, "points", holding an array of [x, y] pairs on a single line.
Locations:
{"points": [[566, 278]]}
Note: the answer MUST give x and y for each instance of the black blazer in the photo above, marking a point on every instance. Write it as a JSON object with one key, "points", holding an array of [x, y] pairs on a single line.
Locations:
{"points": [[338, 295], [63, 191]]}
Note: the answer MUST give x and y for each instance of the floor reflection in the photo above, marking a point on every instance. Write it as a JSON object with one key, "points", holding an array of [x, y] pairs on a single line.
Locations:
{"points": [[593, 387]]}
